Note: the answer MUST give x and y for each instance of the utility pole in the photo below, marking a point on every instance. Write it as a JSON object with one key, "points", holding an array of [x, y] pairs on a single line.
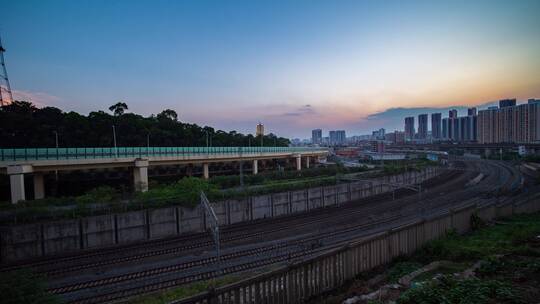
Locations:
{"points": [[148, 141], [241, 169], [5, 88], [114, 140], [56, 140]]}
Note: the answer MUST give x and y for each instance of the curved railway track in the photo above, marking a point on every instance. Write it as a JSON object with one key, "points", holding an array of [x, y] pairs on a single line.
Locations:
{"points": [[253, 264], [244, 231], [100, 288]]}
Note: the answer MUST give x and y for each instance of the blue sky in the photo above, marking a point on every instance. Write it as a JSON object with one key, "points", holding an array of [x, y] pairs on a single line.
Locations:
{"points": [[293, 65]]}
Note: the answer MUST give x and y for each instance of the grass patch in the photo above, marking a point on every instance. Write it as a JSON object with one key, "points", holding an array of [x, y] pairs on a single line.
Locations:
{"points": [[400, 269], [510, 273], [23, 287], [470, 291], [501, 239], [183, 291], [445, 269]]}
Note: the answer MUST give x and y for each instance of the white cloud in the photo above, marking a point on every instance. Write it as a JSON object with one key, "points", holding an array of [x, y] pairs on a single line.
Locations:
{"points": [[40, 99]]}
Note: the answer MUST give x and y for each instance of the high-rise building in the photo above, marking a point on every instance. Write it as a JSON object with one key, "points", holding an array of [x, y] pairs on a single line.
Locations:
{"points": [[436, 126], [396, 137], [452, 113], [391, 137], [422, 126], [469, 125], [467, 128], [507, 103], [377, 146], [509, 124], [400, 137], [454, 128], [316, 136], [378, 134], [337, 137], [487, 125], [409, 128], [260, 130], [444, 130]]}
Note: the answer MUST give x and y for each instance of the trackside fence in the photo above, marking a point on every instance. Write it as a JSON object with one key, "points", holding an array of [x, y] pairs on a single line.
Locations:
{"points": [[20, 241], [325, 272]]}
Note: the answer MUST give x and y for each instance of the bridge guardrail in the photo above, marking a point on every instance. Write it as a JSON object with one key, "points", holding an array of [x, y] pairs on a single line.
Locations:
{"points": [[20, 154]]}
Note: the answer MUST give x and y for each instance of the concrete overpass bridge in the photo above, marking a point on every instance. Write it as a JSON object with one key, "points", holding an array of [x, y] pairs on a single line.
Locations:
{"points": [[38, 161]]}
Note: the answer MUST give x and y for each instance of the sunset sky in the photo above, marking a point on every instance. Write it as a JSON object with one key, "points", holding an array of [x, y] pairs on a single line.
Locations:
{"points": [[293, 65]]}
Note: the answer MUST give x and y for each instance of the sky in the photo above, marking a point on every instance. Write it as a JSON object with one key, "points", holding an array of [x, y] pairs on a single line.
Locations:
{"points": [[292, 65]]}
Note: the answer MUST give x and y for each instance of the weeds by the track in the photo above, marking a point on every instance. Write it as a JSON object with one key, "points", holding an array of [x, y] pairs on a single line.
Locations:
{"points": [[510, 271], [24, 287], [183, 291]]}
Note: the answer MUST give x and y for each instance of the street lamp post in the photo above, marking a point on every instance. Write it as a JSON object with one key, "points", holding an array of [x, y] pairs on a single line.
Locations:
{"points": [[241, 168], [56, 138], [56, 141], [114, 141]]}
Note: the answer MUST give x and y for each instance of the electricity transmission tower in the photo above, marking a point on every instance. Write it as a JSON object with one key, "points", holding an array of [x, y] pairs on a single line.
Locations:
{"points": [[5, 89]]}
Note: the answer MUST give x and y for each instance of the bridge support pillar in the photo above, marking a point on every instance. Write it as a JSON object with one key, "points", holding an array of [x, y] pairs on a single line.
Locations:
{"points": [[206, 171], [255, 166], [140, 175], [16, 181], [39, 186], [298, 163], [307, 162]]}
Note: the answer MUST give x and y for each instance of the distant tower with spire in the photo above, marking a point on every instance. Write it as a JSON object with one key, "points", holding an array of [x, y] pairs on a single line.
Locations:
{"points": [[5, 89]]}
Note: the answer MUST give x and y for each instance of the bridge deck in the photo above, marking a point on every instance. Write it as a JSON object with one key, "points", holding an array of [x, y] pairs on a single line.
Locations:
{"points": [[44, 159]]}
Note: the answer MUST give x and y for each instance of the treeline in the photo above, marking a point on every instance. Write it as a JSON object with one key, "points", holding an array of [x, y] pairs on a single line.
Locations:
{"points": [[23, 125]]}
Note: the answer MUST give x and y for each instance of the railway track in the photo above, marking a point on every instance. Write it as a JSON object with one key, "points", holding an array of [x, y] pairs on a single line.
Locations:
{"points": [[138, 282], [206, 275], [155, 271], [65, 265]]}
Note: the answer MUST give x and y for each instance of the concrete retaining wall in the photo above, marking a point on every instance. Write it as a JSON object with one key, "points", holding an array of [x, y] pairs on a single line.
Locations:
{"points": [[61, 236], [19, 242], [98, 231], [301, 281], [131, 226], [163, 222]]}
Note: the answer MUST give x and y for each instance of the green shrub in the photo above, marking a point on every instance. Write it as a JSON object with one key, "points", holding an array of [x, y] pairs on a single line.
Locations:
{"points": [[231, 181], [401, 269], [103, 194], [23, 287], [449, 290], [184, 192]]}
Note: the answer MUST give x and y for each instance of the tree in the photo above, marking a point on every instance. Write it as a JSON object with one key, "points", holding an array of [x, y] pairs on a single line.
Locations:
{"points": [[168, 114], [118, 108], [23, 125]]}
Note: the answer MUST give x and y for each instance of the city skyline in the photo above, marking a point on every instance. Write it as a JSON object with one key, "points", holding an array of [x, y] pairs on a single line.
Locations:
{"points": [[292, 66]]}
